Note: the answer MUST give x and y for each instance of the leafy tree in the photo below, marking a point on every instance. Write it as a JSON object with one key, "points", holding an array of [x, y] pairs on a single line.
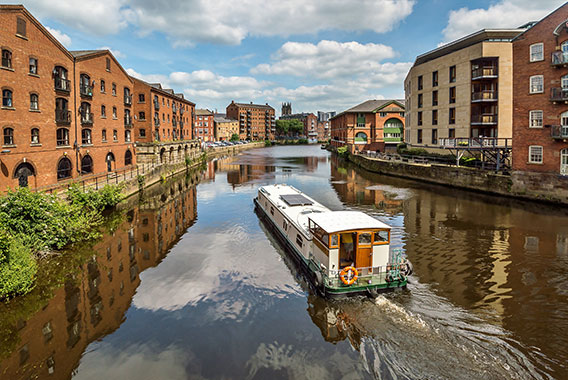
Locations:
{"points": [[234, 137]]}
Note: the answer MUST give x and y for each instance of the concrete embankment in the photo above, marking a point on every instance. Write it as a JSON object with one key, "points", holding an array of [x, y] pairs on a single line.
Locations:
{"points": [[549, 188]]}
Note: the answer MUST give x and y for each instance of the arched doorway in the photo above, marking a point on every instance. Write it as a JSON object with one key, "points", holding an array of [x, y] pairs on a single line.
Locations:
{"points": [[564, 162], [162, 154], [128, 157], [22, 172], [110, 161], [64, 168], [170, 159], [86, 164]]}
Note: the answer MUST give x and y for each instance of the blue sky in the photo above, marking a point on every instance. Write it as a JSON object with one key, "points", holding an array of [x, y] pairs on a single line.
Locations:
{"points": [[325, 55]]}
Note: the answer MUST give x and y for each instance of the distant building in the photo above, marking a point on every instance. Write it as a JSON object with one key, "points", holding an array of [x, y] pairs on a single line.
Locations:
{"points": [[325, 116], [204, 125], [256, 121], [225, 128], [310, 123], [286, 108], [540, 118], [372, 125], [463, 89]]}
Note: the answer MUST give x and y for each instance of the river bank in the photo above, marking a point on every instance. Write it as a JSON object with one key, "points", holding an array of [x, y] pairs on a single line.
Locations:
{"points": [[540, 187]]}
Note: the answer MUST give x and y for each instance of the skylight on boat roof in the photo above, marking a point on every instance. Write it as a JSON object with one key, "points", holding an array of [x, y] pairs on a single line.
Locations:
{"points": [[296, 200]]}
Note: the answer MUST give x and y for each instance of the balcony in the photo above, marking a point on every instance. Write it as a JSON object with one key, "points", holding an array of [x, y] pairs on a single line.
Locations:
{"points": [[486, 72], [128, 121], [62, 116], [174, 108], [174, 122], [181, 124], [127, 100], [559, 59], [559, 132], [559, 94], [87, 118], [62, 84], [86, 90], [484, 96], [156, 122], [156, 105], [484, 119]]}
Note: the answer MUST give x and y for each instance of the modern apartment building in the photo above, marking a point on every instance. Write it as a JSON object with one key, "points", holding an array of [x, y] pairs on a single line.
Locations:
{"points": [[310, 122], [204, 125], [372, 125], [225, 128], [540, 121], [56, 122], [161, 115], [256, 121], [463, 89]]}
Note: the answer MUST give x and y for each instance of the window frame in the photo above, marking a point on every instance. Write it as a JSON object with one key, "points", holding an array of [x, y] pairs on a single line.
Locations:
{"points": [[531, 119], [8, 58], [532, 86], [532, 54], [453, 70], [531, 154], [32, 94], [64, 141], [32, 134], [35, 66], [8, 133], [9, 98]]}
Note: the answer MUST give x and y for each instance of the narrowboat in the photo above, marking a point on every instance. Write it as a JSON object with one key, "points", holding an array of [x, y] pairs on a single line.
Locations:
{"points": [[342, 252]]}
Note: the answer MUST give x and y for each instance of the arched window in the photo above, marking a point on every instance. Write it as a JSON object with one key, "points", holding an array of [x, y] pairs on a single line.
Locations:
{"points": [[22, 172], [6, 58], [8, 136], [7, 98], [127, 135], [34, 102], [564, 161], [33, 65], [86, 136], [35, 136], [128, 157], [60, 78], [85, 87], [104, 135], [86, 164], [564, 48], [360, 138], [86, 114], [564, 82], [64, 168], [110, 161], [62, 137], [61, 111]]}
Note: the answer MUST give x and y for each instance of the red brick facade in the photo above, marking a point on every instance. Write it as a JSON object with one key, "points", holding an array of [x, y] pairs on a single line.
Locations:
{"points": [[310, 122], [539, 103], [256, 121], [204, 125]]}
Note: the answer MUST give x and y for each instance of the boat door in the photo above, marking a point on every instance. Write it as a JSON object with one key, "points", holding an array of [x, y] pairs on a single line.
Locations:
{"points": [[364, 256]]}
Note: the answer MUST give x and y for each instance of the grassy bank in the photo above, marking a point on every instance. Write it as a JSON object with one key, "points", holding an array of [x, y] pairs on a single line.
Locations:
{"points": [[33, 225]]}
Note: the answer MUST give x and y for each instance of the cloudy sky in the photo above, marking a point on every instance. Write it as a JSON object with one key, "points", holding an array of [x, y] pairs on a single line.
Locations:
{"points": [[318, 54]]}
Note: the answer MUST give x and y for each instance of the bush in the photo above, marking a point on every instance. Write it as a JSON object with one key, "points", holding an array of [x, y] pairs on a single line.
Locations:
{"points": [[98, 200], [302, 141], [234, 137], [267, 143], [17, 274], [343, 152]]}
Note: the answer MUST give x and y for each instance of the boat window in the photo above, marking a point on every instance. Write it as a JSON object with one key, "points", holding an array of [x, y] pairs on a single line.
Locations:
{"points": [[365, 238], [334, 241], [272, 210], [299, 241], [285, 225], [319, 233], [382, 237]]}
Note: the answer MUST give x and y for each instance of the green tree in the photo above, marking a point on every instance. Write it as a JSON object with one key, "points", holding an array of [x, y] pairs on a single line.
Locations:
{"points": [[234, 137]]}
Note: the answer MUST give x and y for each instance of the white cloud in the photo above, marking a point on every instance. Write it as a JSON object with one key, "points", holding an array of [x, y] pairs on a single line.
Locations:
{"points": [[327, 59], [117, 53], [60, 36], [92, 16], [224, 21], [502, 14]]}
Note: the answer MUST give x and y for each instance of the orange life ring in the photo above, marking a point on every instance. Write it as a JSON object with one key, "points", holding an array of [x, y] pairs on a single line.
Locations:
{"points": [[343, 275]]}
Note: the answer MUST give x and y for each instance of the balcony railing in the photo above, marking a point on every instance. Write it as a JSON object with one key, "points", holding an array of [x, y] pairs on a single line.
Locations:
{"points": [[174, 108], [156, 105], [484, 96], [128, 121], [484, 119], [62, 84], [174, 122], [487, 72], [181, 111], [558, 94], [181, 124], [87, 118], [559, 58], [127, 100], [86, 90], [62, 116], [156, 122], [475, 142], [559, 132]]}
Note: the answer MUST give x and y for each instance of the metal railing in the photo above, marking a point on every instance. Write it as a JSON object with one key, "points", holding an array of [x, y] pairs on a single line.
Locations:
{"points": [[559, 58], [62, 84], [62, 116], [485, 95], [128, 121], [475, 142], [87, 118], [558, 94], [86, 90], [484, 119], [127, 100], [484, 72], [559, 131]]}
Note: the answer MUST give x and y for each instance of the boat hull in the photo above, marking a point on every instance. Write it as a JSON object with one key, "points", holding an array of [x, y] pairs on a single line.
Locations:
{"points": [[324, 289]]}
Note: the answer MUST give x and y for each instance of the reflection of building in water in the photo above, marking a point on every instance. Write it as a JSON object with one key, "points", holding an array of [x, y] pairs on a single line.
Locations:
{"points": [[239, 174], [353, 188], [92, 303]]}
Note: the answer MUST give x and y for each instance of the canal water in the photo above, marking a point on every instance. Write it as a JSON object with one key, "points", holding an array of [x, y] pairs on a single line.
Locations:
{"points": [[188, 283]]}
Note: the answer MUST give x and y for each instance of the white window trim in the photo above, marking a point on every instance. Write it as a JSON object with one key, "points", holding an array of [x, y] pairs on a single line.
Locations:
{"points": [[531, 119], [531, 85], [541, 154], [531, 53]]}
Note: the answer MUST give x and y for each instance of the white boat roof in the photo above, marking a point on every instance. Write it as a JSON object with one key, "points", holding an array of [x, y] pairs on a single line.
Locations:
{"points": [[336, 221]]}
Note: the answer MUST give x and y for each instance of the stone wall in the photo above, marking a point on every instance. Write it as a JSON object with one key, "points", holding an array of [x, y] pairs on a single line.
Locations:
{"points": [[532, 186]]}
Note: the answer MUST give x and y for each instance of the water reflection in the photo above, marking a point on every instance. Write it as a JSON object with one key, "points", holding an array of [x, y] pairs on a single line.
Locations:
{"points": [[94, 299]]}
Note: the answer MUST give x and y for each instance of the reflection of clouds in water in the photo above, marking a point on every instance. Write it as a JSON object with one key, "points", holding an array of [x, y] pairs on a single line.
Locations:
{"points": [[300, 363], [195, 269], [339, 182], [400, 194], [135, 362]]}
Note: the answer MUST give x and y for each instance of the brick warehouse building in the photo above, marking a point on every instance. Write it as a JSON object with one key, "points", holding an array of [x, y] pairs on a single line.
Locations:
{"points": [[204, 125], [540, 121], [372, 125], [51, 117], [256, 121], [310, 122]]}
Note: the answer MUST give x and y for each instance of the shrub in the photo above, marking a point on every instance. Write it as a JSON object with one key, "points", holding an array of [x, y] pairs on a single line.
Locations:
{"points": [[98, 200], [267, 143], [302, 141], [17, 274]]}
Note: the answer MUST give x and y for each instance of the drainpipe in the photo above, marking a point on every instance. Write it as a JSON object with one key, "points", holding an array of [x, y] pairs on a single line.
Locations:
{"points": [[75, 144]]}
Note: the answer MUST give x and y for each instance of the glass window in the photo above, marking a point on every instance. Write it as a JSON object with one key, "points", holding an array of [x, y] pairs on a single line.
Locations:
{"points": [[536, 118], [420, 84], [537, 52], [299, 241], [435, 98], [115, 135], [35, 136], [452, 94], [64, 168], [114, 89], [535, 154], [453, 74], [127, 135], [103, 86], [114, 112], [104, 135], [33, 65], [34, 102], [419, 136], [142, 115], [142, 132], [86, 137], [6, 58], [452, 118], [434, 79], [8, 136], [86, 164], [434, 117], [108, 64], [334, 240], [21, 26], [536, 84], [62, 137], [6, 98], [382, 236], [141, 98], [365, 238], [103, 111], [419, 118], [419, 100]]}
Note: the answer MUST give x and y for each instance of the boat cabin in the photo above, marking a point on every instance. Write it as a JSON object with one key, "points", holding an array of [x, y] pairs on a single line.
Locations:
{"points": [[349, 238]]}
